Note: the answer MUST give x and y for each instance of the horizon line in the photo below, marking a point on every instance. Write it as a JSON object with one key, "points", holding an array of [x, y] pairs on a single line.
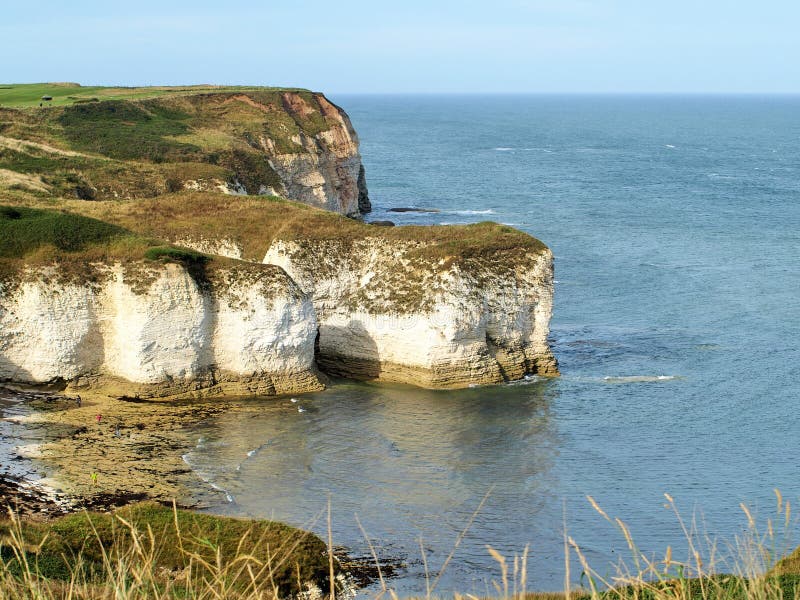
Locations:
{"points": [[434, 93]]}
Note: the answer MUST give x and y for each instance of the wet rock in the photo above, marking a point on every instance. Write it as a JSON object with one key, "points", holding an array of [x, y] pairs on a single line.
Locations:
{"points": [[405, 209]]}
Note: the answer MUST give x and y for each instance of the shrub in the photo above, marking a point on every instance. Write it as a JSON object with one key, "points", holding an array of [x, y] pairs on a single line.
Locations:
{"points": [[24, 230]]}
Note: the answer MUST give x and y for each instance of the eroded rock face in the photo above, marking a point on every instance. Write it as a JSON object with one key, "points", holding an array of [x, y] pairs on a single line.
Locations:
{"points": [[156, 330], [313, 158], [327, 172], [387, 314]]}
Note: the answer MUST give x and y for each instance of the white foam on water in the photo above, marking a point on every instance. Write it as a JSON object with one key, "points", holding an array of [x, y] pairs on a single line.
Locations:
{"points": [[640, 378], [668, 146], [206, 478], [488, 211], [527, 380], [502, 149]]}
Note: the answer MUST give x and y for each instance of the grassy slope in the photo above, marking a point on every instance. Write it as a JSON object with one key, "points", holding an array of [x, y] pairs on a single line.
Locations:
{"points": [[255, 221], [142, 142], [150, 541], [33, 236]]}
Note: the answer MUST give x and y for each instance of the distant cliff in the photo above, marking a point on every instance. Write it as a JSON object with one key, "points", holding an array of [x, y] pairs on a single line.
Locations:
{"points": [[290, 143]]}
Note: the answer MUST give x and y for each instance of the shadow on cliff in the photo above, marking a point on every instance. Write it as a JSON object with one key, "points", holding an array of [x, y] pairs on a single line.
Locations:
{"points": [[349, 352], [14, 373]]}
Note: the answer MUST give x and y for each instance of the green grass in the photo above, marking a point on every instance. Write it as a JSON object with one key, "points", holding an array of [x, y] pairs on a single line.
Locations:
{"points": [[154, 138], [163, 550], [25, 230], [175, 254], [24, 95], [255, 222], [125, 130], [66, 94], [24, 162]]}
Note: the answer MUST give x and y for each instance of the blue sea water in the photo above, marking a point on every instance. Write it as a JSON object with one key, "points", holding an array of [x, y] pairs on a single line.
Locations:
{"points": [[675, 224]]}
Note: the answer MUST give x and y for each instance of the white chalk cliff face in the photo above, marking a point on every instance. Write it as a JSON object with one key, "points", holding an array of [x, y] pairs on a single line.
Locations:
{"points": [[386, 315], [153, 330]]}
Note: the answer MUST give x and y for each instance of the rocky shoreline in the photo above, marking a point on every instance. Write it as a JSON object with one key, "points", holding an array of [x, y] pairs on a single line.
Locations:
{"points": [[99, 453], [132, 453]]}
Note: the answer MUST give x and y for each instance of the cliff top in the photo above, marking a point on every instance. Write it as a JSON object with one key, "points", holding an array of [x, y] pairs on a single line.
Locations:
{"points": [[25, 95], [252, 223], [79, 244], [102, 143]]}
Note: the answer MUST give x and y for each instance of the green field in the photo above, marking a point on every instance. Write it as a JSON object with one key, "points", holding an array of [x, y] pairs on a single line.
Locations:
{"points": [[65, 94]]}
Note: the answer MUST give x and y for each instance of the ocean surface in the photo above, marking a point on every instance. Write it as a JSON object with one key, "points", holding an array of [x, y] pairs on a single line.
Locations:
{"points": [[675, 223]]}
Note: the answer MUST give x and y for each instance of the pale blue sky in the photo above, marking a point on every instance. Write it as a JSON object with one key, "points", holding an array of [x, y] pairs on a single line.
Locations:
{"points": [[410, 45]]}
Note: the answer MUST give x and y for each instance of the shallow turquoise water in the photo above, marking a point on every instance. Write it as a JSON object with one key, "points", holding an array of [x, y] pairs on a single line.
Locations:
{"points": [[674, 222]]}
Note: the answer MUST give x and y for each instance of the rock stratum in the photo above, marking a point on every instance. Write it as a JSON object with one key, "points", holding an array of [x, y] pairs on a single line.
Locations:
{"points": [[173, 287]]}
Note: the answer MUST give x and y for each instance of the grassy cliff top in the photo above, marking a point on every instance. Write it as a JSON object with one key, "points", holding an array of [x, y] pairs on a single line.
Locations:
{"points": [[23, 95], [254, 222], [102, 143]]}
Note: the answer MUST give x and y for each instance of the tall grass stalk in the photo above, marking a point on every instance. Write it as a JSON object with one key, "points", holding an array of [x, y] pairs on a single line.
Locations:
{"points": [[131, 565]]}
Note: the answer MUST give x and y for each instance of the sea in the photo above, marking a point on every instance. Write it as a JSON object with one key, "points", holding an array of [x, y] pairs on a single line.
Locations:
{"points": [[675, 224]]}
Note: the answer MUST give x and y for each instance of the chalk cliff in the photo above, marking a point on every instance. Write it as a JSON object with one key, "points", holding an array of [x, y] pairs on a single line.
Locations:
{"points": [[299, 287], [439, 306], [155, 330], [389, 315]]}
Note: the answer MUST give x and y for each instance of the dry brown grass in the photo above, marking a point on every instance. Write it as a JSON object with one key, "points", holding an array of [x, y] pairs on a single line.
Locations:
{"points": [[254, 222]]}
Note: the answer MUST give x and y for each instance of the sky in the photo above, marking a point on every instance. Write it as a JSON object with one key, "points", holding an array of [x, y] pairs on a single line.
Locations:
{"points": [[410, 46]]}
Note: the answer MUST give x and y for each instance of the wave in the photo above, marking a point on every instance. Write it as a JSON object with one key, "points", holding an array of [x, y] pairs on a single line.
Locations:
{"points": [[527, 380], [206, 478], [501, 149], [487, 211], [668, 146], [640, 378]]}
